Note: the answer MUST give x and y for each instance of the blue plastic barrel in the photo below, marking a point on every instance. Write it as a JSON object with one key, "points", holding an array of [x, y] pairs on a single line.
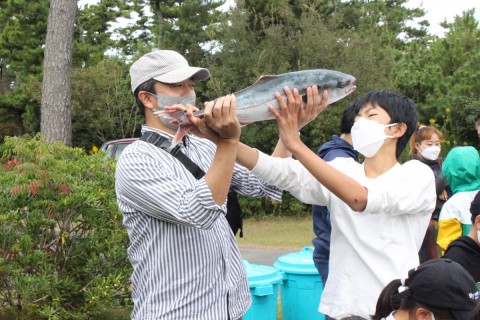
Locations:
{"points": [[263, 282], [302, 286]]}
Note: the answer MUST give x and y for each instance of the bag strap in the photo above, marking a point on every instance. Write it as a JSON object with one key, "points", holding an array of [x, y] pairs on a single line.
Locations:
{"points": [[163, 143]]}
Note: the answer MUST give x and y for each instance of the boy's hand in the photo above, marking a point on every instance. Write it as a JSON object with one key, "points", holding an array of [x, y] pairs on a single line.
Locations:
{"points": [[316, 103]]}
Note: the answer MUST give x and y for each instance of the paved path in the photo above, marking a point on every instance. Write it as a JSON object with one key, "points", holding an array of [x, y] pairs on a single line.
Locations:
{"points": [[263, 255]]}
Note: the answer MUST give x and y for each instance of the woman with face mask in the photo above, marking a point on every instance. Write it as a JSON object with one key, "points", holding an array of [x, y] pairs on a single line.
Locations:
{"points": [[425, 146]]}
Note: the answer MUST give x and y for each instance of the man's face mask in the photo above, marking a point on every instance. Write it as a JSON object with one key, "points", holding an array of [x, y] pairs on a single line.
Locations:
{"points": [[164, 101], [368, 136], [430, 153]]}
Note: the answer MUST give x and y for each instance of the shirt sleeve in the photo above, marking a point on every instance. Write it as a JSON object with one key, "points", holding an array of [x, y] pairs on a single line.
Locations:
{"points": [[147, 185], [406, 189], [290, 175], [247, 184], [449, 223]]}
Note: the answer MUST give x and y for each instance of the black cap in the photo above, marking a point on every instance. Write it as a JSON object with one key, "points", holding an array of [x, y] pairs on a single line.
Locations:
{"points": [[443, 284], [475, 206]]}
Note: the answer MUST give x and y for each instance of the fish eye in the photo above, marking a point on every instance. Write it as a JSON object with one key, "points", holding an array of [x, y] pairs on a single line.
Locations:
{"points": [[343, 84]]}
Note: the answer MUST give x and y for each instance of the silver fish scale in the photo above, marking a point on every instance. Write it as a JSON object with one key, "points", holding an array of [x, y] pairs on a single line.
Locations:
{"points": [[253, 102]]}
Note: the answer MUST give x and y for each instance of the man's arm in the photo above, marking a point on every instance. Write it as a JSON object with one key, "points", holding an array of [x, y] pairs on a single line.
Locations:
{"points": [[221, 126]]}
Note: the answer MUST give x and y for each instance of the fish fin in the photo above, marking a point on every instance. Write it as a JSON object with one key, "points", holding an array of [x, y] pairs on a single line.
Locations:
{"points": [[179, 135], [260, 80], [264, 78]]}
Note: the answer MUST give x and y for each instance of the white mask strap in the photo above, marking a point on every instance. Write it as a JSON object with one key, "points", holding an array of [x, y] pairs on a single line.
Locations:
{"points": [[388, 126]]}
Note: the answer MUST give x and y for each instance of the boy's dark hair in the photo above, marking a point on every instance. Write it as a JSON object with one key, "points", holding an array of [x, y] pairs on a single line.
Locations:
{"points": [[400, 109], [148, 86], [348, 118]]}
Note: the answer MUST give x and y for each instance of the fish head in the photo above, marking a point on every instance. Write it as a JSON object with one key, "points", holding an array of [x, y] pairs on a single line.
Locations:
{"points": [[338, 84]]}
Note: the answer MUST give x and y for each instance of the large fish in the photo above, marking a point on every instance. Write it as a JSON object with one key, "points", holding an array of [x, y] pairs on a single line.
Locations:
{"points": [[254, 101]]}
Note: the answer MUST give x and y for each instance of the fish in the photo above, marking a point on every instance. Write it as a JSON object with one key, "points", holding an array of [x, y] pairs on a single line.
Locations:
{"points": [[253, 102]]}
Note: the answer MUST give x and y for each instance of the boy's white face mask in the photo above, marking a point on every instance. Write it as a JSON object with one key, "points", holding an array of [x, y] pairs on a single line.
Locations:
{"points": [[368, 136]]}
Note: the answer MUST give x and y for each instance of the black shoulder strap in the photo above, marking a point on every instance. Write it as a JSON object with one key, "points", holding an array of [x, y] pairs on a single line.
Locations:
{"points": [[161, 142]]}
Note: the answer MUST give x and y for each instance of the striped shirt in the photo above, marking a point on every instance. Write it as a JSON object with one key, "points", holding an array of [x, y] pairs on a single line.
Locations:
{"points": [[186, 263]]}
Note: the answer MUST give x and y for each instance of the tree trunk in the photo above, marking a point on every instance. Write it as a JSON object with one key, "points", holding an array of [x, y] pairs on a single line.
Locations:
{"points": [[56, 112], [160, 21]]}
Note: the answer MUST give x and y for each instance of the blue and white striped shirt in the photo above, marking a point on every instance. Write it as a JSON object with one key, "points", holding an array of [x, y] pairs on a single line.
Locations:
{"points": [[185, 259]]}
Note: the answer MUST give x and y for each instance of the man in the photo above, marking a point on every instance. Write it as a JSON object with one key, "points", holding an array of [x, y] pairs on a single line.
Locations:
{"points": [[380, 209], [466, 250], [186, 263], [339, 146]]}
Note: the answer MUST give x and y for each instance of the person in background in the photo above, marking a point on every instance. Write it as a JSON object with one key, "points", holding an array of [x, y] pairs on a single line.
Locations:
{"points": [[339, 146], [437, 289], [425, 146], [477, 127], [466, 250], [462, 170], [185, 258], [380, 209]]}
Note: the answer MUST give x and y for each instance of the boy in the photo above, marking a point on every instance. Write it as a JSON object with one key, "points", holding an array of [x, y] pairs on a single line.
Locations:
{"points": [[380, 208]]}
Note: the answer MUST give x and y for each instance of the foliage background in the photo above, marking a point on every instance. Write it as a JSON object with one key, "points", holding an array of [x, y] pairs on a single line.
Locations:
{"points": [[63, 249]]}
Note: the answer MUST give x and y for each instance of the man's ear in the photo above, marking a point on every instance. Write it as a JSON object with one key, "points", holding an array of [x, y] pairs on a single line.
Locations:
{"points": [[477, 222], [147, 99]]}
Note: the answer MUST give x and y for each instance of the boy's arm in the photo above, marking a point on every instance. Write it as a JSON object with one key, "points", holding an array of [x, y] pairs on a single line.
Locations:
{"points": [[347, 189], [344, 187]]}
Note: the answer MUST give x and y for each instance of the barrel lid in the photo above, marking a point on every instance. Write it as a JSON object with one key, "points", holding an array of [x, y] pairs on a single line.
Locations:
{"points": [[261, 275], [300, 262]]}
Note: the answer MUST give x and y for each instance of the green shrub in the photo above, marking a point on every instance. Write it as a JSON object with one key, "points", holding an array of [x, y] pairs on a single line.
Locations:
{"points": [[63, 246]]}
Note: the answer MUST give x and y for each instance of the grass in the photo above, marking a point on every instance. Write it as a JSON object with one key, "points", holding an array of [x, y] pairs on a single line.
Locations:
{"points": [[277, 232]]}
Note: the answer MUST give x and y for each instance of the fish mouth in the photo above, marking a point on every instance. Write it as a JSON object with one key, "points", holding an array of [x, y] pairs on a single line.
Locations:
{"points": [[352, 87]]}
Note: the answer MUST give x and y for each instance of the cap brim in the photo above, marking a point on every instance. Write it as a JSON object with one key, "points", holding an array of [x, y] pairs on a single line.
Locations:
{"points": [[185, 73]]}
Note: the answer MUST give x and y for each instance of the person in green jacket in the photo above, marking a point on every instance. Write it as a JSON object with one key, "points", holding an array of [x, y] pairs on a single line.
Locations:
{"points": [[462, 170]]}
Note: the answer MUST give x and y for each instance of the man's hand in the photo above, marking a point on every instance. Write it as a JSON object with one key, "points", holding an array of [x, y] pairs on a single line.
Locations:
{"points": [[219, 120], [221, 116]]}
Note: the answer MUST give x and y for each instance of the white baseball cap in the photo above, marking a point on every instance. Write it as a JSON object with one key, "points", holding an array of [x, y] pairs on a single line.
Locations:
{"points": [[165, 66]]}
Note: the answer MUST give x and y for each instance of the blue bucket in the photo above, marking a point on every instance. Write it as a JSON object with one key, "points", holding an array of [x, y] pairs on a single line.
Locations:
{"points": [[302, 286], [263, 282]]}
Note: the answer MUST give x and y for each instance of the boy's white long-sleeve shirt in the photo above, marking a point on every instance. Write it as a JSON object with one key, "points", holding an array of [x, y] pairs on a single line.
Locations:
{"points": [[370, 248]]}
